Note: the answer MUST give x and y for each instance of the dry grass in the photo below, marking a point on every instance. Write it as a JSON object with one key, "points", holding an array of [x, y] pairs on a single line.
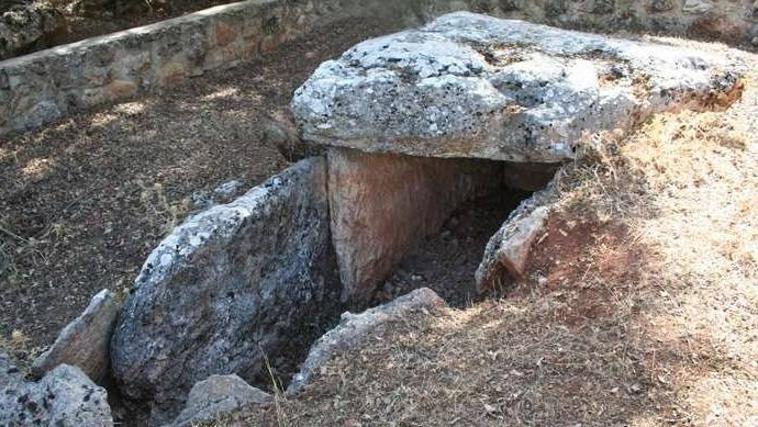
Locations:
{"points": [[641, 308]]}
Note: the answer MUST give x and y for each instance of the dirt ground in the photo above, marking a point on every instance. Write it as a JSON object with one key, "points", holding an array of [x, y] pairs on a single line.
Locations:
{"points": [[446, 261], [640, 307], [83, 201]]}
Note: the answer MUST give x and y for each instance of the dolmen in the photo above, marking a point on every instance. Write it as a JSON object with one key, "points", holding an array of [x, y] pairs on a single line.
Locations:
{"points": [[414, 124]]}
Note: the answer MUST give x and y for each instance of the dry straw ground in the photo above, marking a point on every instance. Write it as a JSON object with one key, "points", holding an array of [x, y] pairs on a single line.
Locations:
{"points": [[641, 308]]}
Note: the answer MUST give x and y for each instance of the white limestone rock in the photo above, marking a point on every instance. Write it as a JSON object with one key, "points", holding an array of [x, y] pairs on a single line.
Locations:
{"points": [[64, 397], [469, 85]]}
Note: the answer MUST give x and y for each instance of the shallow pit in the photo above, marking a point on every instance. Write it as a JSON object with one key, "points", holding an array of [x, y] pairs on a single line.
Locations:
{"points": [[445, 262]]}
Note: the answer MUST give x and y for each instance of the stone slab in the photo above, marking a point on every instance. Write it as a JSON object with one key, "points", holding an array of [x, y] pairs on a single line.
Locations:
{"points": [[470, 85], [85, 342], [382, 205], [225, 289]]}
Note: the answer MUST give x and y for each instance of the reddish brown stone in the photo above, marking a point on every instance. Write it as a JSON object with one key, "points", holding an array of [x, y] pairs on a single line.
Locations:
{"points": [[171, 73], [717, 26], [382, 205], [119, 89], [225, 34]]}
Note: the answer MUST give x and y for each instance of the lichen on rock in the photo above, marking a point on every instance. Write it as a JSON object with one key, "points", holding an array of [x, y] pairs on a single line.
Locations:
{"points": [[469, 85]]}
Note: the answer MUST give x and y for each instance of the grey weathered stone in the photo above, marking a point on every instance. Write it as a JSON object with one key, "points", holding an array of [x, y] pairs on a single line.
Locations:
{"points": [[507, 253], [469, 85], [355, 329], [228, 188], [84, 342], [382, 205], [28, 26], [696, 6], [662, 5], [216, 396], [64, 397], [224, 289]]}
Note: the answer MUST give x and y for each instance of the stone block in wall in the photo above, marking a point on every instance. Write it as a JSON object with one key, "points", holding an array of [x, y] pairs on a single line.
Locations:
{"points": [[663, 5]]}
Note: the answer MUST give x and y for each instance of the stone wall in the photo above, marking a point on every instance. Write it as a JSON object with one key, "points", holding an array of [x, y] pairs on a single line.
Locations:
{"points": [[45, 86], [730, 21]]}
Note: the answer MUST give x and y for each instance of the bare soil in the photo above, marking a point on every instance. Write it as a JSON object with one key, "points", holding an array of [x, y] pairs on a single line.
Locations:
{"points": [[446, 262], [83, 201]]}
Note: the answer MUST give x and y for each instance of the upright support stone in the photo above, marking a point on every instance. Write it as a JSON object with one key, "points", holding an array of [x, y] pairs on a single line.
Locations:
{"points": [[226, 289], [383, 204]]}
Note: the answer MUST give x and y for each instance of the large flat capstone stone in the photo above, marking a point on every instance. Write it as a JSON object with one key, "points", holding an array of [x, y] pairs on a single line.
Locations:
{"points": [[224, 289], [469, 85]]}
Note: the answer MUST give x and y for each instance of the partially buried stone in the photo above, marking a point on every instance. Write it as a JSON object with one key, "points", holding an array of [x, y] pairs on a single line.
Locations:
{"points": [[217, 396]]}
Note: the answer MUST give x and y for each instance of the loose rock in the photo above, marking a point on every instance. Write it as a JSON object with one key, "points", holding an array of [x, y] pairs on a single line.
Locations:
{"points": [[64, 397], [469, 85], [216, 396], [84, 342], [354, 329], [225, 288], [506, 255]]}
